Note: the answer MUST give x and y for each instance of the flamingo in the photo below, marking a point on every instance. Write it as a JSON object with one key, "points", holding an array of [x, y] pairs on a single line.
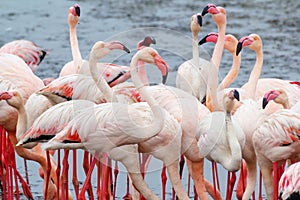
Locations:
{"points": [[32, 54], [78, 65], [230, 45], [156, 145], [37, 156], [192, 74], [289, 183], [276, 139]]}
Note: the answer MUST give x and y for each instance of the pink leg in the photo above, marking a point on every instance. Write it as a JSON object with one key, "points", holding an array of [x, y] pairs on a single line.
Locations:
{"points": [[75, 179], [275, 172], [3, 135], [195, 193], [26, 171], [105, 176], [164, 181], [260, 186], [47, 178], [99, 176], [65, 193], [87, 180], [86, 167], [8, 173], [58, 174], [25, 187], [214, 178], [12, 152]]}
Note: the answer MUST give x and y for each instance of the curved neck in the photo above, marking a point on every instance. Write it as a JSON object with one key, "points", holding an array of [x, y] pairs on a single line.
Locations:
{"points": [[142, 72], [233, 72], [213, 80], [255, 74], [139, 84], [99, 80], [22, 122], [75, 48], [195, 49]]}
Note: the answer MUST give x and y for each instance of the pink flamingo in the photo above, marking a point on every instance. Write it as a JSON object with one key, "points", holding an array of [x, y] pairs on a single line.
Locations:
{"points": [[78, 65], [276, 140], [26, 50], [153, 145], [289, 184]]}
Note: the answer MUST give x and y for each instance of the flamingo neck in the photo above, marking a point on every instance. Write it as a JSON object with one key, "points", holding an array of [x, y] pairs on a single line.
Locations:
{"points": [[286, 104], [195, 59], [255, 73], [99, 80], [75, 49], [232, 74], [139, 84], [22, 121], [213, 77], [142, 72]]}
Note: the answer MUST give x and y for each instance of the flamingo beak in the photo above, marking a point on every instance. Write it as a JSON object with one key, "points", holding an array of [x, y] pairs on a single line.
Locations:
{"points": [[199, 20], [77, 10], [153, 41], [5, 95], [239, 48], [205, 10], [117, 45], [162, 66], [203, 40], [236, 95], [264, 102]]}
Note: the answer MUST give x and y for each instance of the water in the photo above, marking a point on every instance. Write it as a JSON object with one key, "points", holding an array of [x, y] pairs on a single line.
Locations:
{"points": [[45, 23]]}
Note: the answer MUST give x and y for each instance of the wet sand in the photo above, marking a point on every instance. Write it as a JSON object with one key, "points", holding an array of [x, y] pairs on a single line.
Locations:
{"points": [[45, 23]]}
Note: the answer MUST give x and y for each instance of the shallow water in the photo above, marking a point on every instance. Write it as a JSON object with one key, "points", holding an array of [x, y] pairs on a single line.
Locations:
{"points": [[45, 23]]}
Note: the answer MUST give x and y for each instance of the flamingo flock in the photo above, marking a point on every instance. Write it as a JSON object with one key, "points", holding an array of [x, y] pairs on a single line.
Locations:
{"points": [[94, 107]]}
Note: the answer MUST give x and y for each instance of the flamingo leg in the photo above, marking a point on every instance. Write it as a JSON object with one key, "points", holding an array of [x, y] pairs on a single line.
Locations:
{"points": [[86, 166], [17, 192], [8, 172], [127, 196], [260, 186], [47, 178], [3, 135], [25, 187], [175, 180], [99, 173], [75, 179], [164, 181], [58, 174], [87, 179], [275, 179], [65, 192]]}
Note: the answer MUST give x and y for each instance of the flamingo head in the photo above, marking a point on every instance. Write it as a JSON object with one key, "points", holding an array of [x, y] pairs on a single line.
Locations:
{"points": [[13, 98], [230, 41], [74, 14], [101, 49], [278, 96], [253, 42], [218, 14], [211, 37], [210, 8], [150, 55], [146, 42], [196, 24], [229, 98]]}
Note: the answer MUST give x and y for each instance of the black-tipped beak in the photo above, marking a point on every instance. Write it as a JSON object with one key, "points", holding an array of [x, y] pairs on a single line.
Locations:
{"points": [[264, 103], [239, 48], [205, 11], [77, 10], [199, 19], [203, 40], [153, 41], [126, 49], [236, 95], [164, 78]]}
